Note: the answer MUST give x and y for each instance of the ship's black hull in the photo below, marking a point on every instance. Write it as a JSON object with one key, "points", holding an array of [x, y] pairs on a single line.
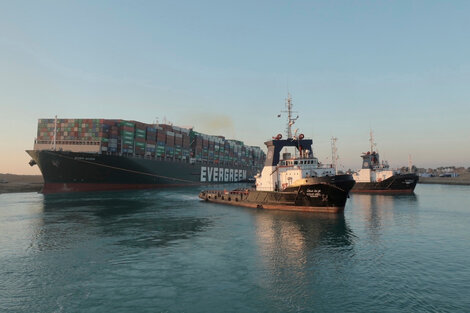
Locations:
{"points": [[323, 194], [397, 184], [74, 172]]}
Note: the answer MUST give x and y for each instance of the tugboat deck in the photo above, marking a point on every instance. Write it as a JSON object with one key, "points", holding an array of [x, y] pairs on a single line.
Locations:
{"points": [[240, 198]]}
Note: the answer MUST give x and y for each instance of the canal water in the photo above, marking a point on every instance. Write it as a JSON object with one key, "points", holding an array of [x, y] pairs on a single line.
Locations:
{"points": [[166, 251]]}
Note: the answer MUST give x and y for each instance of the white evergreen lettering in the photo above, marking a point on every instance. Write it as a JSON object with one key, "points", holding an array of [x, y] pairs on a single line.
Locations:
{"points": [[203, 173], [221, 174], [210, 170]]}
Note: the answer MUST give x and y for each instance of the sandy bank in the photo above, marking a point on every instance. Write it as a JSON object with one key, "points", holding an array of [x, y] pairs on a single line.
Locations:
{"points": [[20, 183], [463, 179]]}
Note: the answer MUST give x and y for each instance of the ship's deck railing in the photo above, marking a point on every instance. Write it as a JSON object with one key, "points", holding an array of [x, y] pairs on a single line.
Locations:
{"points": [[223, 195], [231, 192], [68, 142], [324, 166]]}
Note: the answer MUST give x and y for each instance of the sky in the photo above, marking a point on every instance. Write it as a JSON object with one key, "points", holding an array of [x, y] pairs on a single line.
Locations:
{"points": [[400, 68]]}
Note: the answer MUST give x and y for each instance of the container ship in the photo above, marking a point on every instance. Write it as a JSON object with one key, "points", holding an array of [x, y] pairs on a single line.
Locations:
{"points": [[102, 154], [376, 177]]}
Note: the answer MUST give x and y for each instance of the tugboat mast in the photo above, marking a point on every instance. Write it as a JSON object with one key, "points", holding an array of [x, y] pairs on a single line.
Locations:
{"points": [[334, 155], [290, 120], [372, 143]]}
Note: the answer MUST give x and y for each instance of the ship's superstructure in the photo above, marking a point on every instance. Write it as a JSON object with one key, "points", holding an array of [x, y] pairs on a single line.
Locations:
{"points": [[293, 182], [278, 174]]}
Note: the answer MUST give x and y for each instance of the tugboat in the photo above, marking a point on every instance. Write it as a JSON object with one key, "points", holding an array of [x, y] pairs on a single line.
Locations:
{"points": [[376, 177], [296, 183]]}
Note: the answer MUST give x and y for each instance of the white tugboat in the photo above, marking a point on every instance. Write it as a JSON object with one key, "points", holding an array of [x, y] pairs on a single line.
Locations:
{"points": [[376, 177], [296, 182]]}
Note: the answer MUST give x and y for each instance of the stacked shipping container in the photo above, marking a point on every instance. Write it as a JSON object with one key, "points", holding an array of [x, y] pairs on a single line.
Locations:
{"points": [[70, 129], [140, 138], [153, 141]]}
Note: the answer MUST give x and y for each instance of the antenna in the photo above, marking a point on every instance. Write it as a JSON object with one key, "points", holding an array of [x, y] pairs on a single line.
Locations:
{"points": [[372, 143], [334, 155], [290, 119]]}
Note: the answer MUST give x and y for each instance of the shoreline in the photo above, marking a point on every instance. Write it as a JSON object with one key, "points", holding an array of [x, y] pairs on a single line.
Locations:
{"points": [[11, 183], [445, 181], [17, 188]]}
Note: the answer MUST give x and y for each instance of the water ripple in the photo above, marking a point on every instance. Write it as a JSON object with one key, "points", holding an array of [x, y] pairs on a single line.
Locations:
{"points": [[166, 251]]}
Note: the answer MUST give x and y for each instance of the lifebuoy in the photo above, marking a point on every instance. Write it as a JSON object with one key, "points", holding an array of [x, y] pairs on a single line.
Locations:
{"points": [[279, 136], [301, 136]]}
